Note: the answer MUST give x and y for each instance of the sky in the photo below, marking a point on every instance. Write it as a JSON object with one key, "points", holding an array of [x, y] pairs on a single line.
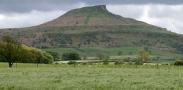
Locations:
{"points": [[25, 13]]}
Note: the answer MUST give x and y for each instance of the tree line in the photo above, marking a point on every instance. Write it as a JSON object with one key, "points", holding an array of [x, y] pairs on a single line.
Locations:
{"points": [[12, 51]]}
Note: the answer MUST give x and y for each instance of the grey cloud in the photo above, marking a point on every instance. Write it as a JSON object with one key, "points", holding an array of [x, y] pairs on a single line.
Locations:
{"points": [[164, 11], [44, 5], [166, 16], [14, 6], [32, 18], [126, 10]]}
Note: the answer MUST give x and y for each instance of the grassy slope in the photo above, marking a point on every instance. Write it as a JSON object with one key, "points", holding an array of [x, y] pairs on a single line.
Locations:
{"points": [[63, 77]]}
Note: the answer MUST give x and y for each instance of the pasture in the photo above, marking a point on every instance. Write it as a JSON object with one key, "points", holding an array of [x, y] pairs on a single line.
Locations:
{"points": [[120, 53], [90, 77], [113, 51]]}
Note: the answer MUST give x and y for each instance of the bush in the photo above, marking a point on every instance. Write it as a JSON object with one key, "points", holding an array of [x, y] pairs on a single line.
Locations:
{"points": [[143, 55], [34, 55], [118, 63], [102, 56], [55, 55], [72, 62], [47, 58], [2, 59], [138, 62], [127, 59], [105, 62], [71, 56], [31, 55], [178, 63]]}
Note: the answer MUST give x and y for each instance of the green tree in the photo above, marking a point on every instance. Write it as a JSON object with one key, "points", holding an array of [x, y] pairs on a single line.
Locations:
{"points": [[55, 55], [71, 56], [10, 50], [34, 55], [143, 56], [178, 63], [46, 58]]}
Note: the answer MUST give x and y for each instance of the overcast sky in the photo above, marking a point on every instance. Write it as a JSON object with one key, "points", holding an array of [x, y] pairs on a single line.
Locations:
{"points": [[23, 13]]}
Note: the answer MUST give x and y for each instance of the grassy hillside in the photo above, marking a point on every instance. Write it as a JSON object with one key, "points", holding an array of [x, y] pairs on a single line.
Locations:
{"points": [[101, 36], [91, 16]]}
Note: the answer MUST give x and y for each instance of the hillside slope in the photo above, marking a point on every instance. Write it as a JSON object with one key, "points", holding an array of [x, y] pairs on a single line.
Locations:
{"points": [[91, 16], [96, 27]]}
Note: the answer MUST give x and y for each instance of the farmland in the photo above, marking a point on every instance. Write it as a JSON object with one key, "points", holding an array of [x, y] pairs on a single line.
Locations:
{"points": [[90, 77], [120, 53]]}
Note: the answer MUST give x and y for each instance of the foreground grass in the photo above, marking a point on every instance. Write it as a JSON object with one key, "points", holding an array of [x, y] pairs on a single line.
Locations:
{"points": [[90, 77]]}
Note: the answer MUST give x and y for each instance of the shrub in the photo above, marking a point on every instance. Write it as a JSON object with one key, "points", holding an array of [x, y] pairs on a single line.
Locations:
{"points": [[130, 63], [25, 54], [55, 55], [127, 59], [138, 62], [84, 63], [118, 63], [105, 62], [71, 56], [102, 56], [178, 63], [47, 58], [72, 62], [34, 55], [143, 55], [2, 59]]}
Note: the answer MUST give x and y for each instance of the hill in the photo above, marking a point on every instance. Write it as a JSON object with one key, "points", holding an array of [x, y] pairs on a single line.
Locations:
{"points": [[91, 16], [95, 26]]}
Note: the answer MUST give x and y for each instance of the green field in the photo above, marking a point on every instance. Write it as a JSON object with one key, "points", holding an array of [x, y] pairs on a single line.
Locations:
{"points": [[164, 56], [112, 51], [90, 77]]}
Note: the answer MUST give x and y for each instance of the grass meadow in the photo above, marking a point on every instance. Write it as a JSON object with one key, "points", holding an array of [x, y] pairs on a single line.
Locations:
{"points": [[91, 53], [113, 51], [90, 77]]}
